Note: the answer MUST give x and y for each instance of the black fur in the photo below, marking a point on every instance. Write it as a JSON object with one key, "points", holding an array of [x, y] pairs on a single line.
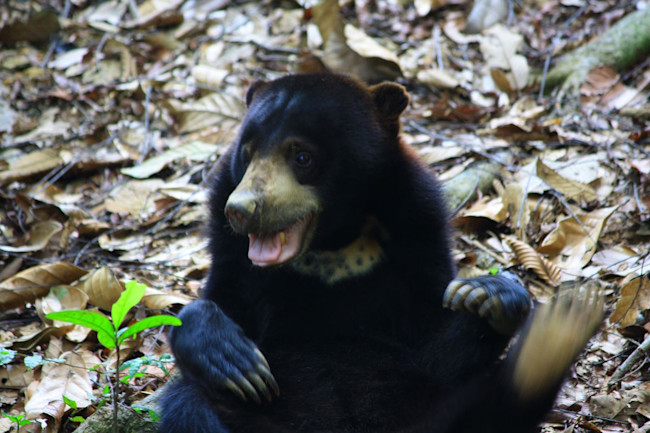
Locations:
{"points": [[374, 353]]}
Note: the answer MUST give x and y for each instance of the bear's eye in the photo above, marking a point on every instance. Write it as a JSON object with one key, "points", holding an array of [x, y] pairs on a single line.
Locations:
{"points": [[303, 159]]}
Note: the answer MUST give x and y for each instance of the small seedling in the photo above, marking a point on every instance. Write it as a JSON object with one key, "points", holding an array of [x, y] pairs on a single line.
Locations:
{"points": [[18, 419], [109, 333]]}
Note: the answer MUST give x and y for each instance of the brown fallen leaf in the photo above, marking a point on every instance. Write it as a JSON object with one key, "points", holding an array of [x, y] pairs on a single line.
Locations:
{"points": [[32, 164], [348, 49], [62, 298], [71, 380], [574, 243], [36, 282], [213, 109], [570, 188], [29, 342], [135, 197], [38, 237], [33, 27], [499, 46], [102, 288], [532, 260], [15, 376], [635, 298], [158, 299]]}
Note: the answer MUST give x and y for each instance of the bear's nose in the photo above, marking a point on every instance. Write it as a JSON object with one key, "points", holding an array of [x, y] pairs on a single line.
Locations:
{"points": [[240, 210]]}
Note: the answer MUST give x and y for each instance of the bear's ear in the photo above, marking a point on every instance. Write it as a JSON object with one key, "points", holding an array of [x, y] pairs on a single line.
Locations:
{"points": [[253, 89], [390, 99]]}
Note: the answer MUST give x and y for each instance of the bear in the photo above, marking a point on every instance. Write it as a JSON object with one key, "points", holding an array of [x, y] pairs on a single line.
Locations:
{"points": [[331, 303]]}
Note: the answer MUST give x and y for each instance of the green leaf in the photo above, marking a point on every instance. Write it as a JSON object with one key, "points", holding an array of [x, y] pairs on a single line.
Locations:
{"points": [[154, 415], [139, 409], [148, 322], [78, 419], [33, 361], [6, 356], [128, 299], [90, 319], [13, 418], [69, 402], [18, 419]]}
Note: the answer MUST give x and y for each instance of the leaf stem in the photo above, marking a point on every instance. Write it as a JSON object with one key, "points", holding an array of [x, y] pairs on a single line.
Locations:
{"points": [[116, 386]]}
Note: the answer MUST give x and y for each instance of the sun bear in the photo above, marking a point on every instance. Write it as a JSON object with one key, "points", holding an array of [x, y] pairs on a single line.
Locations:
{"points": [[327, 306]]}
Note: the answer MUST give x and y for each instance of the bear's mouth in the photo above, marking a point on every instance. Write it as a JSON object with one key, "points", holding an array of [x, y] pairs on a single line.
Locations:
{"points": [[275, 248]]}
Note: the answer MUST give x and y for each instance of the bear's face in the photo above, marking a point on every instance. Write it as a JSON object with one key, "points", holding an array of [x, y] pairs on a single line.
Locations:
{"points": [[305, 162]]}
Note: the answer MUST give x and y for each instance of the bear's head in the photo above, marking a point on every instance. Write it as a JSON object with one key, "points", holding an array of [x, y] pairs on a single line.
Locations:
{"points": [[307, 160]]}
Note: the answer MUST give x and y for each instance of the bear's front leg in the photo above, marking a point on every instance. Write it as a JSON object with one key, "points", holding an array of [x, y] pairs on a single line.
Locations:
{"points": [[497, 298], [213, 353]]}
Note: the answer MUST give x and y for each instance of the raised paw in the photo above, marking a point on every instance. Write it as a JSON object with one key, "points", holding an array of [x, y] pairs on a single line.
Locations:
{"points": [[213, 351], [557, 333], [499, 299]]}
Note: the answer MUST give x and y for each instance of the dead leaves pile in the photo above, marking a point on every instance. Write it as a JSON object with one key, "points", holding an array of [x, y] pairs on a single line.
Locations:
{"points": [[113, 115]]}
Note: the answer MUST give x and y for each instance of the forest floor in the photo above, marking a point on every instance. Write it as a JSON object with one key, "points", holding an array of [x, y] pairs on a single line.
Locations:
{"points": [[113, 114]]}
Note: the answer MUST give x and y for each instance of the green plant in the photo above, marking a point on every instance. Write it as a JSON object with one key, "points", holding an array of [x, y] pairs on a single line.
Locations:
{"points": [[18, 419], [135, 366], [109, 333], [6, 356]]}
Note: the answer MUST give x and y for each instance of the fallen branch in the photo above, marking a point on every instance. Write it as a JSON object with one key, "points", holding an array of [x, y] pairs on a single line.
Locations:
{"points": [[639, 353], [621, 46], [462, 188]]}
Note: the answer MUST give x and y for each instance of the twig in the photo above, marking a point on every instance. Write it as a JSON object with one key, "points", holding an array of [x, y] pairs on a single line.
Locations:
{"points": [[485, 249], [636, 356], [148, 135], [433, 135]]}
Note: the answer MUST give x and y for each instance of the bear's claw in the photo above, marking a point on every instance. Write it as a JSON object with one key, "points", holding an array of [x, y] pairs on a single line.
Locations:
{"points": [[496, 298]]}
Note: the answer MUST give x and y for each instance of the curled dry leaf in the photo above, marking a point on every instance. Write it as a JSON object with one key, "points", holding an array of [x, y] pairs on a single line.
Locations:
{"points": [[38, 237], [29, 341], [35, 282], [634, 299], [158, 299], [528, 257], [102, 288], [570, 188], [367, 47]]}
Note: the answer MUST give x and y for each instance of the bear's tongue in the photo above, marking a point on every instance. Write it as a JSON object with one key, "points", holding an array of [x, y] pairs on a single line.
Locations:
{"points": [[266, 249]]}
